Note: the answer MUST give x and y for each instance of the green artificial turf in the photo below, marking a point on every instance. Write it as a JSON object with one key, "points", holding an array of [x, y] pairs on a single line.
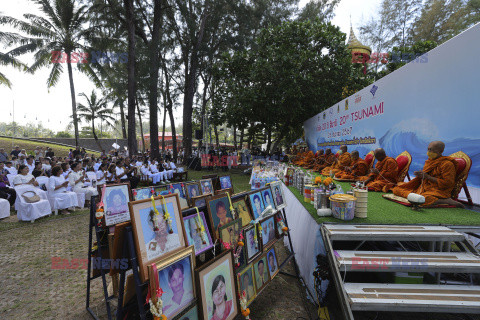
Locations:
{"points": [[383, 211], [240, 182]]}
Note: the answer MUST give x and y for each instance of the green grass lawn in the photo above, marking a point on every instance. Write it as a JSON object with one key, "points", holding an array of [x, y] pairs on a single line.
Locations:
{"points": [[29, 146], [384, 211], [239, 181]]}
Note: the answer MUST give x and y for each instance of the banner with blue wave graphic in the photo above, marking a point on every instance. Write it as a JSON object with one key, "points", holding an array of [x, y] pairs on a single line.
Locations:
{"points": [[438, 99]]}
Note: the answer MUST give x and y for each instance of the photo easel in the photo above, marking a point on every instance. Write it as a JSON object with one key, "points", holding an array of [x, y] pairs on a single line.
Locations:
{"points": [[100, 235]]}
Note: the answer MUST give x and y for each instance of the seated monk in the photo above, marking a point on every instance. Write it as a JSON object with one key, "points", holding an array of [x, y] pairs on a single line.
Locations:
{"points": [[344, 160], [384, 175], [300, 156], [358, 168], [328, 160], [436, 180], [306, 160], [318, 156]]}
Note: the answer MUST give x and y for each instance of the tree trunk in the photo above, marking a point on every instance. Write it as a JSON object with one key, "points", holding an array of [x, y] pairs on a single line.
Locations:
{"points": [[155, 63], [122, 120], [174, 132], [190, 85], [235, 137], [74, 103], [269, 139], [95, 135], [163, 128], [241, 138], [132, 137], [141, 127], [216, 136]]}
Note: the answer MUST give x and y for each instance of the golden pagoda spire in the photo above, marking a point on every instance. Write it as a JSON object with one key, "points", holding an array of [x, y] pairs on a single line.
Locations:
{"points": [[355, 45]]}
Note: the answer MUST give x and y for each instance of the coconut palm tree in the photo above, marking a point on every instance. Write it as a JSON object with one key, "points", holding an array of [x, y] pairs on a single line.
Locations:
{"points": [[95, 109], [6, 60], [63, 30]]}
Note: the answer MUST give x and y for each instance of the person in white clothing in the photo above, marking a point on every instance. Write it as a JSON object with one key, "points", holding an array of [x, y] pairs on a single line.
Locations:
{"points": [[30, 164], [120, 172], [57, 187], [102, 174], [10, 168], [154, 168], [76, 179], [168, 170], [24, 177], [156, 177]]}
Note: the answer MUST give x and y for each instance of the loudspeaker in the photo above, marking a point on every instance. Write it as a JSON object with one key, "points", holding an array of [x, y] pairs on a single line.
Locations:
{"points": [[198, 134]]}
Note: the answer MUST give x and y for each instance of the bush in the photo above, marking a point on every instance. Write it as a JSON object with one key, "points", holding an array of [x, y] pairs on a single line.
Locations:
{"points": [[63, 134]]}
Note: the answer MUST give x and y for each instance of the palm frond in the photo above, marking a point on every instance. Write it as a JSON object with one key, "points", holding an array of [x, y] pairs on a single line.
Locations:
{"points": [[54, 75], [4, 81]]}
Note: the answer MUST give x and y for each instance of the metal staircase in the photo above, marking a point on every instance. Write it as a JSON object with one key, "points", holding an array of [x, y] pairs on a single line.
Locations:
{"points": [[398, 297]]}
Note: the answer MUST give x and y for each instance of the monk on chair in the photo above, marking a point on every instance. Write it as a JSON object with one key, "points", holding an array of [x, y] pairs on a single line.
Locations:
{"points": [[344, 160], [328, 160], [358, 168], [435, 181], [384, 175], [319, 157]]}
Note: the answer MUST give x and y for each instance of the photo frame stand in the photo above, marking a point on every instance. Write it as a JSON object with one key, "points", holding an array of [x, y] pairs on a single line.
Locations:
{"points": [[291, 255], [130, 254], [99, 234]]}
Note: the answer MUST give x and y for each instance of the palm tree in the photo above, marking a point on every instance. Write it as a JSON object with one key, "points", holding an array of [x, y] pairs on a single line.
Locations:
{"points": [[6, 60], [96, 109], [62, 30]]}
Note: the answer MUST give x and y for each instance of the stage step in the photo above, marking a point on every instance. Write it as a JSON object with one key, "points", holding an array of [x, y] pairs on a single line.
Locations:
{"points": [[391, 233], [413, 298], [401, 261]]}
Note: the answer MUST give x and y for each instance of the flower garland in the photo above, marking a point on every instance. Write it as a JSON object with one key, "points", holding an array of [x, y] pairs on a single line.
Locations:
{"points": [[243, 305], [200, 227], [231, 206]]}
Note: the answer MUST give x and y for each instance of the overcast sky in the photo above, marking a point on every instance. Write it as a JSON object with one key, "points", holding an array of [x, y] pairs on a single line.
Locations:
{"points": [[34, 101]]}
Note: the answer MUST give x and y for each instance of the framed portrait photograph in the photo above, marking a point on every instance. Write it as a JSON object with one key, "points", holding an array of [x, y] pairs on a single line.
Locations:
{"points": [[178, 189], [218, 289], [160, 190], [225, 182], [246, 283], [242, 211], [219, 212], [224, 191], [193, 227], [154, 236], [142, 193], [256, 204], [267, 197], [260, 270], [191, 313], [175, 277], [277, 193], [272, 262], [279, 218], [268, 231], [115, 203], [200, 201], [252, 249], [206, 186], [192, 190], [230, 233]]}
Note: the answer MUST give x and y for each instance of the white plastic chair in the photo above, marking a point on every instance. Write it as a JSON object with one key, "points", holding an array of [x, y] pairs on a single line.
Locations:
{"points": [[42, 181], [31, 211], [59, 200], [4, 208], [92, 176], [10, 178]]}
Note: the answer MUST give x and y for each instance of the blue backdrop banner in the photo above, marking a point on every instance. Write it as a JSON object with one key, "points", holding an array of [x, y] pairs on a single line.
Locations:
{"points": [[436, 97]]}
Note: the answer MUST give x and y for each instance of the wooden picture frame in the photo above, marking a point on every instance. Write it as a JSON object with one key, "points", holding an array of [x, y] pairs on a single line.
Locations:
{"points": [[261, 278], [219, 213], [210, 278], [179, 267], [190, 188], [279, 232], [206, 186], [200, 201], [192, 225], [246, 282], [115, 203], [252, 251], [159, 189], [178, 188], [269, 234], [242, 211], [230, 233], [273, 268], [190, 313], [118, 243], [277, 194], [142, 193], [147, 239], [267, 197], [256, 204], [225, 182], [224, 191]]}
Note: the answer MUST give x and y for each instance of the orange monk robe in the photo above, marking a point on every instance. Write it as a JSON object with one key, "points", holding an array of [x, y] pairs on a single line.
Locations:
{"points": [[444, 169], [328, 161], [387, 177], [299, 157], [344, 160], [307, 159], [313, 162], [359, 168]]}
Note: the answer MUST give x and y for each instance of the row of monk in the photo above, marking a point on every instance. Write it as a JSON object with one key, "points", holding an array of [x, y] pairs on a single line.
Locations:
{"points": [[435, 181]]}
